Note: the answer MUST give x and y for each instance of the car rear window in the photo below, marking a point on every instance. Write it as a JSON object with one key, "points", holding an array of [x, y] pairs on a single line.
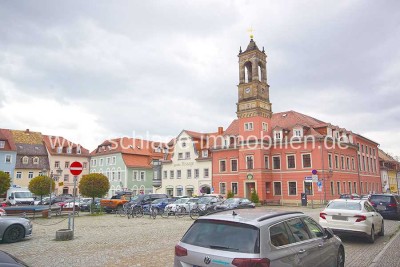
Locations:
{"points": [[344, 205], [386, 199], [223, 235]]}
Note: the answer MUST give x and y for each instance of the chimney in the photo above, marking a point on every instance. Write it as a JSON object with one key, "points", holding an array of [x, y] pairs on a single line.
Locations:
{"points": [[27, 131], [220, 130]]}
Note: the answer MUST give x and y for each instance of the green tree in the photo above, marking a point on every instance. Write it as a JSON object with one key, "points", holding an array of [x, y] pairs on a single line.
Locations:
{"points": [[40, 185], [254, 197], [230, 194], [94, 185], [5, 182]]}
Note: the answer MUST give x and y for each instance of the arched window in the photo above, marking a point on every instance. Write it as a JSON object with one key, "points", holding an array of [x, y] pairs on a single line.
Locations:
{"points": [[25, 160], [35, 160], [248, 74], [259, 72]]}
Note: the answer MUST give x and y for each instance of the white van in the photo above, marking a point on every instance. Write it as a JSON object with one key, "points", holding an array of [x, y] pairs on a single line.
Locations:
{"points": [[19, 196]]}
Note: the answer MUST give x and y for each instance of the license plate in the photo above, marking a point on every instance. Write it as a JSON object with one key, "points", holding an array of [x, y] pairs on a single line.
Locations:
{"points": [[339, 218], [380, 207]]}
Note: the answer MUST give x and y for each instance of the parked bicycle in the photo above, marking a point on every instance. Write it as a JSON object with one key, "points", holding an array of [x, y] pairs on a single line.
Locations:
{"points": [[180, 211], [167, 212], [135, 211], [198, 211]]}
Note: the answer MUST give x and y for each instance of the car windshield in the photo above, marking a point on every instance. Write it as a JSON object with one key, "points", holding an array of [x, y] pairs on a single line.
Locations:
{"points": [[135, 198], [23, 194], [181, 201], [344, 205], [223, 235], [157, 201], [204, 200], [231, 201], [193, 200], [377, 199]]}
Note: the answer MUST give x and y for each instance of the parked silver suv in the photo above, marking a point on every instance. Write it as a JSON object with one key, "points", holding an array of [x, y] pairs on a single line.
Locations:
{"points": [[258, 238]]}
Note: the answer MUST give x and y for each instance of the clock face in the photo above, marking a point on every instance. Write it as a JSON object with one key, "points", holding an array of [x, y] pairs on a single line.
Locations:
{"points": [[247, 90]]}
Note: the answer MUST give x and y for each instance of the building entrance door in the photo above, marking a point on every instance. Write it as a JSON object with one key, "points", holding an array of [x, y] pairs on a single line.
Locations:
{"points": [[250, 187]]}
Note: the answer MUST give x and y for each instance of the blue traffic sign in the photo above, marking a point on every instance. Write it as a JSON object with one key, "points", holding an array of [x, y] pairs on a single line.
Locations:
{"points": [[319, 183]]}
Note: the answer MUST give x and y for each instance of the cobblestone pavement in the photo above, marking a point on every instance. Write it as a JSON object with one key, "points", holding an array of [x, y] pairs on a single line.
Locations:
{"points": [[110, 240]]}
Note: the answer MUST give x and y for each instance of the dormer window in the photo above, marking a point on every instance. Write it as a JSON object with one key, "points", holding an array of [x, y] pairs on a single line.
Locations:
{"points": [[35, 160], [329, 132], [337, 134], [297, 132], [278, 135], [25, 160], [205, 154], [248, 126], [2, 144], [351, 138], [157, 150], [69, 150], [59, 149], [78, 150]]}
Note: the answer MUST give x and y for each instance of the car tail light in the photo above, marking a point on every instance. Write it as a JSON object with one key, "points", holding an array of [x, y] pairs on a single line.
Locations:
{"points": [[180, 251], [393, 205], [373, 203], [360, 218], [322, 215], [256, 262]]}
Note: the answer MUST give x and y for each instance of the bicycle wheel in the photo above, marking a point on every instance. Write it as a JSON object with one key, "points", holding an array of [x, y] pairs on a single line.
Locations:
{"points": [[129, 214], [139, 212], [165, 214], [195, 214], [153, 213], [180, 212]]}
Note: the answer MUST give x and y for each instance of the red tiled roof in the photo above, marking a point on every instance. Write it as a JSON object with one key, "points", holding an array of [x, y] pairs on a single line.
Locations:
{"points": [[53, 142], [6, 135], [127, 145], [136, 161]]}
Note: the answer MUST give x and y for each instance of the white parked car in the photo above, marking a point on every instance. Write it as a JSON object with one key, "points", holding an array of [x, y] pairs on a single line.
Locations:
{"points": [[352, 217], [187, 203]]}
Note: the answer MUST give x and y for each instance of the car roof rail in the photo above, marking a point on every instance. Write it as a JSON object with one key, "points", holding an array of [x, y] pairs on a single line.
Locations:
{"points": [[277, 215]]}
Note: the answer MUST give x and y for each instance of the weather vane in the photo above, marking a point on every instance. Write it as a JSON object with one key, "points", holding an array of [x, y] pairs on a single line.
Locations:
{"points": [[250, 31]]}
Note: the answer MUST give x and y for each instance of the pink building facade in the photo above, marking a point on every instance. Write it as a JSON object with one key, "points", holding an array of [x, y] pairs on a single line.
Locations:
{"points": [[274, 154]]}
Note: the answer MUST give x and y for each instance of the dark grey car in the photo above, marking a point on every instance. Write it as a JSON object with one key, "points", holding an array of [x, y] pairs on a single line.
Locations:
{"points": [[258, 237]]}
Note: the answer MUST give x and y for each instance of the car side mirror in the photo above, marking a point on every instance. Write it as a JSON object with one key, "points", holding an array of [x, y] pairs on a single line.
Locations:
{"points": [[329, 233], [10, 197]]}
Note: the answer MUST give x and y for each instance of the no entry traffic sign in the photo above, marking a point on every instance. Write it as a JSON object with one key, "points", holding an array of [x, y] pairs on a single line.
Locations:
{"points": [[76, 168]]}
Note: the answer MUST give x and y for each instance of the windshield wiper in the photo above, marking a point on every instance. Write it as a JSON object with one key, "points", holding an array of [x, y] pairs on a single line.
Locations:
{"points": [[223, 248]]}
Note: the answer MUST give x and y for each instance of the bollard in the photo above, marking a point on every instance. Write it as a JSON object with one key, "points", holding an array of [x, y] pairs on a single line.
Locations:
{"points": [[69, 221]]}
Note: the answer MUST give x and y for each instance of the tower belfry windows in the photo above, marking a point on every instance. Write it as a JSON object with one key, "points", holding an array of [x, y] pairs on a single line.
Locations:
{"points": [[253, 89]]}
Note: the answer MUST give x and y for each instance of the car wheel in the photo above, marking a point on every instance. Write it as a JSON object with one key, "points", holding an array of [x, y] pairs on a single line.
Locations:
{"points": [[340, 258], [382, 231], [14, 233], [371, 238]]}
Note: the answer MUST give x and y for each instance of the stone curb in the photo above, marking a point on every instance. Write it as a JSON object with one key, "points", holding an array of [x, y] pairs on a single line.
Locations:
{"points": [[378, 257]]}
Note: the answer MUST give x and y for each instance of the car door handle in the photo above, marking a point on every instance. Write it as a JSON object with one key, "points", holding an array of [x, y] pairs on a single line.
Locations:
{"points": [[301, 251]]}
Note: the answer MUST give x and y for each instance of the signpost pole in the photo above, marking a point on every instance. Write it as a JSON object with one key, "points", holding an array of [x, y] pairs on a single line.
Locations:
{"points": [[75, 169], [73, 208]]}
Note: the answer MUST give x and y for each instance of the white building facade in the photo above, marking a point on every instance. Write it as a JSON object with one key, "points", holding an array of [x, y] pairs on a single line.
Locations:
{"points": [[188, 169]]}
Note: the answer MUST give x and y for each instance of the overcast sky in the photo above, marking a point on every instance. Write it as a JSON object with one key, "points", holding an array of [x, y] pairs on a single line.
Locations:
{"points": [[93, 70]]}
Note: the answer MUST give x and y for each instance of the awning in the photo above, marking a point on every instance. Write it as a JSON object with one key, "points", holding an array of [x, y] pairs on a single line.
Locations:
{"points": [[169, 187], [189, 187]]}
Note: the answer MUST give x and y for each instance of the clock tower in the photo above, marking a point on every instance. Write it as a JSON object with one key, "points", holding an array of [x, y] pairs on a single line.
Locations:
{"points": [[253, 89]]}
